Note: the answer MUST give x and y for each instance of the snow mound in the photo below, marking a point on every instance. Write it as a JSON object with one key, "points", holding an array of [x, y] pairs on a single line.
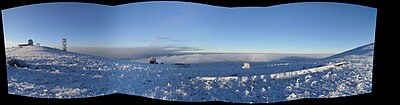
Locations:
{"points": [[52, 73], [306, 71]]}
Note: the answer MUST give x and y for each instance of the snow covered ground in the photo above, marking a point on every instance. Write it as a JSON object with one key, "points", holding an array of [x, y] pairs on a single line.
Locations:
{"points": [[50, 73]]}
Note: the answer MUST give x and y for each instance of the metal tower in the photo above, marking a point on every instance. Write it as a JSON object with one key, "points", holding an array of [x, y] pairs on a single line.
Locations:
{"points": [[64, 44]]}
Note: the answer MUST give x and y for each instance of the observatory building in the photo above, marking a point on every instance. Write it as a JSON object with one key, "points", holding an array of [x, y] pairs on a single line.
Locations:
{"points": [[30, 43]]}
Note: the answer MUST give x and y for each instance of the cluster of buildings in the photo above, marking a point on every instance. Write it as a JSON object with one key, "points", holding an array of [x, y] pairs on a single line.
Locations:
{"points": [[30, 43]]}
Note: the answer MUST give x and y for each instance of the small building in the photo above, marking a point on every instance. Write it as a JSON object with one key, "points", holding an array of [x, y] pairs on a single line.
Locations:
{"points": [[30, 43], [246, 65], [153, 60]]}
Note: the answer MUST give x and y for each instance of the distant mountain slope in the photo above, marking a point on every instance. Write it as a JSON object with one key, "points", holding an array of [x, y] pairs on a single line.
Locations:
{"points": [[366, 50]]}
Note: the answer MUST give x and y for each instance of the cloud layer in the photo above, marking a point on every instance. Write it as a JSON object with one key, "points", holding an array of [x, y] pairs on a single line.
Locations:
{"points": [[10, 43], [233, 57], [132, 53]]}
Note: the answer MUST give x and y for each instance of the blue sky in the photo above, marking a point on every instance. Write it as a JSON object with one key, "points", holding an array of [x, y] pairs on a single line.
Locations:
{"points": [[289, 28]]}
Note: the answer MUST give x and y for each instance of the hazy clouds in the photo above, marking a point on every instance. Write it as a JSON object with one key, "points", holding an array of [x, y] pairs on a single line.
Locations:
{"points": [[10, 43], [234, 57], [132, 53]]}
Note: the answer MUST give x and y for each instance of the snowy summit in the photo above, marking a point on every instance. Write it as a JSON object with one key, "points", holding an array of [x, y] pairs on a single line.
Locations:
{"points": [[45, 72]]}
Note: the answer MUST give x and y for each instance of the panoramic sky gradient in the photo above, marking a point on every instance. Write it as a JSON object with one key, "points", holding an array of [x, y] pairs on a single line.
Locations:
{"points": [[313, 27]]}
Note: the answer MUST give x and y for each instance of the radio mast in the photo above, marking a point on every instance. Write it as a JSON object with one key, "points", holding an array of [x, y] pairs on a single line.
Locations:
{"points": [[64, 44]]}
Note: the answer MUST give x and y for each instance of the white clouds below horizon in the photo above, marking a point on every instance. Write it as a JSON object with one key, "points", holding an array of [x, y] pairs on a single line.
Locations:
{"points": [[10, 43], [168, 54], [235, 57]]}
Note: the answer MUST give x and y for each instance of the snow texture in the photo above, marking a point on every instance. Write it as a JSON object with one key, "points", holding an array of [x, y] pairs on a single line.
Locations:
{"points": [[52, 73]]}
